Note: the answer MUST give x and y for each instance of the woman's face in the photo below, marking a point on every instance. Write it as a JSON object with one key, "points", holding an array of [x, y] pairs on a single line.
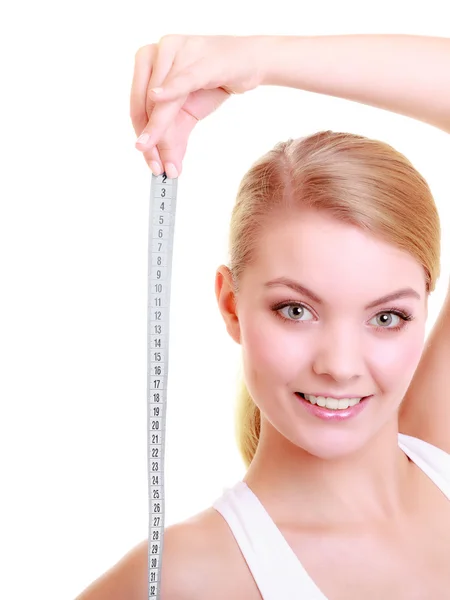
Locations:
{"points": [[333, 345]]}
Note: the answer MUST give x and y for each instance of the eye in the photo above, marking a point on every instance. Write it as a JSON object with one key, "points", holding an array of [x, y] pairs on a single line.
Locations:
{"points": [[402, 317], [386, 320], [295, 311]]}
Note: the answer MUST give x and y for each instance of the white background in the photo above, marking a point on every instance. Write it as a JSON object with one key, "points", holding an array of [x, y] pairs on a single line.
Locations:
{"points": [[74, 201]]}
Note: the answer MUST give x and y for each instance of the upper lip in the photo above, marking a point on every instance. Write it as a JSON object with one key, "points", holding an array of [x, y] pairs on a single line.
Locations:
{"points": [[337, 396]]}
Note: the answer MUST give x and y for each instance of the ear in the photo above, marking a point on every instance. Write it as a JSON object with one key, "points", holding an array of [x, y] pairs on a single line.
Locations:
{"points": [[226, 300]]}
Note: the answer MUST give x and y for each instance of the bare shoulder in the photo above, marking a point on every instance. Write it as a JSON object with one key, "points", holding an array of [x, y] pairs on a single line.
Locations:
{"points": [[202, 553], [201, 560]]}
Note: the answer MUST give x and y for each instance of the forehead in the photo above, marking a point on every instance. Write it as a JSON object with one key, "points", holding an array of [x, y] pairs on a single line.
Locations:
{"points": [[332, 258]]}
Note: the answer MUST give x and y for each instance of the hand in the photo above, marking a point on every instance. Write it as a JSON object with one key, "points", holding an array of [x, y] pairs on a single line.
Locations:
{"points": [[197, 74]]}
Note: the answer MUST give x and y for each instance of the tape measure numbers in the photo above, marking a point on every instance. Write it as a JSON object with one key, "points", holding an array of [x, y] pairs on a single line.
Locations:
{"points": [[163, 197]]}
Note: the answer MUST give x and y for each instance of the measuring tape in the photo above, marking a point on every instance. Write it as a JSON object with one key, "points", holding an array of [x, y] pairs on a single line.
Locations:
{"points": [[163, 199]]}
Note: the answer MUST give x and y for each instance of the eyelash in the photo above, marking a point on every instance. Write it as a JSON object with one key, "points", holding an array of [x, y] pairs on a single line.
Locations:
{"points": [[404, 316]]}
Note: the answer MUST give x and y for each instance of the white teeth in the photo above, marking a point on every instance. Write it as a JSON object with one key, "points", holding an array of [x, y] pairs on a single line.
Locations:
{"points": [[332, 403]]}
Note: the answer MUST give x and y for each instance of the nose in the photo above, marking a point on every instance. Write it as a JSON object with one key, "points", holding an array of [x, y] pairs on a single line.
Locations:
{"points": [[339, 355]]}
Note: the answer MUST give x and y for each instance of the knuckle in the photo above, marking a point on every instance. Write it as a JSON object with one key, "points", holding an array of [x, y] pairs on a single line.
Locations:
{"points": [[169, 38], [141, 51], [144, 52], [173, 41]]}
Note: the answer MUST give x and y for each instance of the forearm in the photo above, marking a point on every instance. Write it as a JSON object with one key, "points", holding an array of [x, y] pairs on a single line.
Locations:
{"points": [[404, 74], [425, 411]]}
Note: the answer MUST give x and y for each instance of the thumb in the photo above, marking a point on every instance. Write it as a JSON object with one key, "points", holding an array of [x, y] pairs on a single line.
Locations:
{"points": [[162, 116]]}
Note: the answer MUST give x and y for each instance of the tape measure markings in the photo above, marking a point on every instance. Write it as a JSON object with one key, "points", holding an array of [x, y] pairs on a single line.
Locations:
{"points": [[163, 197]]}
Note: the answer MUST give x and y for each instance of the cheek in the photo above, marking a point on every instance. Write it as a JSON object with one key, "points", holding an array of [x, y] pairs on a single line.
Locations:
{"points": [[272, 349], [394, 363]]}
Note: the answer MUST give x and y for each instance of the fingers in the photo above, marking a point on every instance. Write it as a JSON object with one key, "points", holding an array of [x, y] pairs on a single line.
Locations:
{"points": [[179, 85], [143, 66], [160, 119], [139, 107], [158, 61], [172, 147], [154, 161], [153, 121], [164, 57]]}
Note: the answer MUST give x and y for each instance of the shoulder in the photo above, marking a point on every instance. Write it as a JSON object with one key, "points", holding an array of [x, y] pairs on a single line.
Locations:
{"points": [[198, 556]]}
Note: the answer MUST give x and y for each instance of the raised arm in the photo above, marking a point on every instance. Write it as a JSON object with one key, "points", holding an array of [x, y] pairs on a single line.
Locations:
{"points": [[425, 411], [404, 74]]}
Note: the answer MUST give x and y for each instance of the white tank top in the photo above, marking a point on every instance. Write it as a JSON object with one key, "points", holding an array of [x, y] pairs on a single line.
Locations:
{"points": [[275, 568]]}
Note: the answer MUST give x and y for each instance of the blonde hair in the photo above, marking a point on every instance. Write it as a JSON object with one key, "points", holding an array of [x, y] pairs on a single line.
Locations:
{"points": [[359, 181]]}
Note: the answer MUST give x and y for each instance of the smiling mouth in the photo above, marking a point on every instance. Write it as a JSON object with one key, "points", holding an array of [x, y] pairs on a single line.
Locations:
{"points": [[332, 403]]}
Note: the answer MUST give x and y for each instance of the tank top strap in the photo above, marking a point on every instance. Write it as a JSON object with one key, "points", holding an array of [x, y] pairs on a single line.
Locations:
{"points": [[277, 571], [433, 461]]}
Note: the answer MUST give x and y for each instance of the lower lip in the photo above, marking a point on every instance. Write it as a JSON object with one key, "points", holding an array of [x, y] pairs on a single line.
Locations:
{"points": [[328, 414]]}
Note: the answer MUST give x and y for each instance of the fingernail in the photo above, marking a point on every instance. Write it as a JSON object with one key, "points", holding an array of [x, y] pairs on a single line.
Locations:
{"points": [[143, 139], [171, 171], [156, 90], [156, 169]]}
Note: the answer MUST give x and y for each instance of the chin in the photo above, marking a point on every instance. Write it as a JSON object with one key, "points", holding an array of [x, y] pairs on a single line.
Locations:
{"points": [[331, 445]]}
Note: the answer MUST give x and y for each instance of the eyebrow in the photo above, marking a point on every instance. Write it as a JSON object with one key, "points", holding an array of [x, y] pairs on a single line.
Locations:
{"points": [[301, 289]]}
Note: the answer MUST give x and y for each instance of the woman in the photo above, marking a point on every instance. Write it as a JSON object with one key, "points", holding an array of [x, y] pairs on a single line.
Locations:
{"points": [[335, 503]]}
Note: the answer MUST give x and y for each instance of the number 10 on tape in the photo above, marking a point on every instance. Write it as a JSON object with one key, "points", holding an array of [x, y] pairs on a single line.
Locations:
{"points": [[163, 197]]}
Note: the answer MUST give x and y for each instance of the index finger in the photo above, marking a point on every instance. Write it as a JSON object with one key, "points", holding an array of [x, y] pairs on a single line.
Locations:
{"points": [[143, 69], [152, 65]]}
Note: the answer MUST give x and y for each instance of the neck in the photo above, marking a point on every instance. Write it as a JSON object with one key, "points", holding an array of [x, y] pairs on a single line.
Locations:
{"points": [[366, 486]]}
